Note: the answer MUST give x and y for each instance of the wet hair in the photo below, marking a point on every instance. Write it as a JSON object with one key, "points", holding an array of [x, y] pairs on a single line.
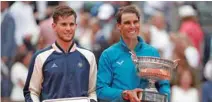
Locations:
{"points": [[63, 11], [127, 9]]}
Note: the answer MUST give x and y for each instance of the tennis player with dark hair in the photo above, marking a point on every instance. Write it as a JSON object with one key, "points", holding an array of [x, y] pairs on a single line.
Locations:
{"points": [[117, 79]]}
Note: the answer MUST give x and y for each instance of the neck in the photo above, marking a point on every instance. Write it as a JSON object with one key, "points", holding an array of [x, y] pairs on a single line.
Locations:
{"points": [[25, 62], [64, 45], [131, 43], [185, 88]]}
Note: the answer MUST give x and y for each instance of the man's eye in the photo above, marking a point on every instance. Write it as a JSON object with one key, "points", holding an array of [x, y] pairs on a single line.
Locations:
{"points": [[71, 24], [126, 22], [63, 24], [135, 22]]}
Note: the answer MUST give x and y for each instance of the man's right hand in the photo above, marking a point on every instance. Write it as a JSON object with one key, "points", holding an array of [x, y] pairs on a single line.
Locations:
{"points": [[132, 95]]}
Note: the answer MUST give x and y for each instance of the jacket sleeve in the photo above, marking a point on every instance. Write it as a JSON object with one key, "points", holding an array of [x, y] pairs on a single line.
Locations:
{"points": [[32, 86], [104, 80], [92, 80]]}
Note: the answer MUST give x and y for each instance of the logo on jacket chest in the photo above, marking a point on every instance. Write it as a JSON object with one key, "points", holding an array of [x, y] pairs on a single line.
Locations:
{"points": [[120, 62], [54, 65], [79, 64]]}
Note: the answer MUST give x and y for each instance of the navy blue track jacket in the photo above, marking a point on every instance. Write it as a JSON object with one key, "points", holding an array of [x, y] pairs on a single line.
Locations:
{"points": [[55, 74]]}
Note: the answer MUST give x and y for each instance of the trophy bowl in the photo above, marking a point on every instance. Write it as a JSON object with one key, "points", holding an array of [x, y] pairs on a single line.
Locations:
{"points": [[153, 69]]}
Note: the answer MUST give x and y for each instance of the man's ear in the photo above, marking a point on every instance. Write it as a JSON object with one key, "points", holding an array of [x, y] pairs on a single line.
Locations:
{"points": [[54, 25], [118, 26]]}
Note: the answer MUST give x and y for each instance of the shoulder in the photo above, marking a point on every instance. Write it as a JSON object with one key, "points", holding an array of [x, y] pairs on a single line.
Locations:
{"points": [[112, 52], [17, 66], [86, 53], [8, 18], [46, 51], [8, 15], [113, 48]]}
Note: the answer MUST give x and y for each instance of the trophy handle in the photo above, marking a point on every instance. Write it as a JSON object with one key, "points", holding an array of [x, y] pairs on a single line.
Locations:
{"points": [[134, 57], [176, 63]]}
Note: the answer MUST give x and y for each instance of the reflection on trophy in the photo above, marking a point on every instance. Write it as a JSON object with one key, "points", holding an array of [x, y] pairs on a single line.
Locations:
{"points": [[153, 69]]}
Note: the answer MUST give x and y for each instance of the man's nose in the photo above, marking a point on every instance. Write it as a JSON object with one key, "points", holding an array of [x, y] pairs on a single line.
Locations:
{"points": [[68, 27], [132, 25]]}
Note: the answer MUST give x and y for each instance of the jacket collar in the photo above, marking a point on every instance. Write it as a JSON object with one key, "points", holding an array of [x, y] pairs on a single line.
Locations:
{"points": [[137, 47], [57, 47]]}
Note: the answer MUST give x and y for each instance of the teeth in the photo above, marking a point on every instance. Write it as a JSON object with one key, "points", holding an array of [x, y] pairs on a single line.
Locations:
{"points": [[132, 32]]}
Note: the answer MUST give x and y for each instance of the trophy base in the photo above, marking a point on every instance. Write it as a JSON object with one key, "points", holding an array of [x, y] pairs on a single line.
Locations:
{"points": [[148, 96]]}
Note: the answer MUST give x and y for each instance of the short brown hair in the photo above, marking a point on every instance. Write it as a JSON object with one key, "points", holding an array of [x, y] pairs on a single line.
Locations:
{"points": [[127, 9], [63, 11]]}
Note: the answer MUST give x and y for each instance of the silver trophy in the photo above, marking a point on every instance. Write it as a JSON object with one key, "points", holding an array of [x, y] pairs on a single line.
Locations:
{"points": [[153, 69]]}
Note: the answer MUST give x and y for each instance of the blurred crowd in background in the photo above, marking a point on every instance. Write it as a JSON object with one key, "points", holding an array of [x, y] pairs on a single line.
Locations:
{"points": [[179, 30]]}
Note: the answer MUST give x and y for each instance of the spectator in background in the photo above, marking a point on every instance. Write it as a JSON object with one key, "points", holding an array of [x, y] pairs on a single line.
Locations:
{"points": [[166, 7], [185, 51], [83, 31], [184, 90], [25, 24], [207, 86], [43, 9], [98, 41], [76, 5], [106, 14], [19, 74], [5, 83], [8, 44], [8, 49], [151, 7], [145, 33], [39, 10], [47, 35], [116, 36], [159, 38], [190, 26]]}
